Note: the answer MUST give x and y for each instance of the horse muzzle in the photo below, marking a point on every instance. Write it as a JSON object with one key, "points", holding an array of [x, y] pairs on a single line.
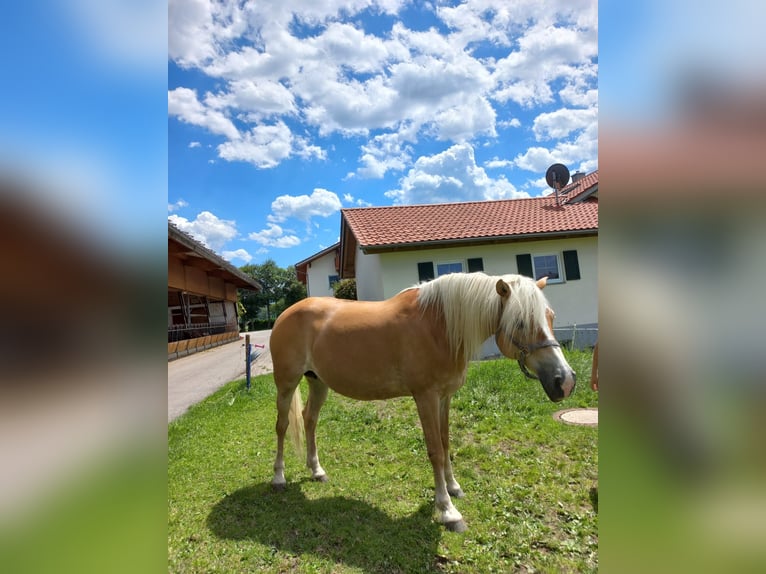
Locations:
{"points": [[558, 383]]}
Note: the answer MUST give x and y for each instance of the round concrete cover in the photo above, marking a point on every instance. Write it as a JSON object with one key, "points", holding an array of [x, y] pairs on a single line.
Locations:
{"points": [[586, 417]]}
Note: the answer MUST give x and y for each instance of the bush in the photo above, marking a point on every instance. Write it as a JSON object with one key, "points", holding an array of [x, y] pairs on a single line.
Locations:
{"points": [[345, 289]]}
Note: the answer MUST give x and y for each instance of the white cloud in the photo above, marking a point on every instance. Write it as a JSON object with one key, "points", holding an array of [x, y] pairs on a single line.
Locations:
{"points": [[539, 159], [314, 64], [497, 163], [197, 29], [451, 176], [259, 98], [321, 202], [512, 123], [239, 254], [559, 124], [194, 144], [360, 52], [581, 90], [207, 229], [265, 146], [430, 81], [274, 236], [177, 205], [466, 121], [546, 53], [183, 103], [470, 23], [350, 199], [384, 153], [189, 31], [584, 148]]}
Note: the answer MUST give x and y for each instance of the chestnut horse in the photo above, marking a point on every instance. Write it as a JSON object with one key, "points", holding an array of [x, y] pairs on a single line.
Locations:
{"points": [[417, 343]]}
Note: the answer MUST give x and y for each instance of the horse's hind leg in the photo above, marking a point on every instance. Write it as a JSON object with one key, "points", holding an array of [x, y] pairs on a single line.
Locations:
{"points": [[284, 399], [317, 396]]}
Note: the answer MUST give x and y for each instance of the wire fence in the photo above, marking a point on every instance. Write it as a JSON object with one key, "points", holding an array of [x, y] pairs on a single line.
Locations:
{"points": [[575, 337]]}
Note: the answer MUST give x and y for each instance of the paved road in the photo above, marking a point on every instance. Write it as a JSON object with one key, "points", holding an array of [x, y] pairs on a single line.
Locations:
{"points": [[197, 376]]}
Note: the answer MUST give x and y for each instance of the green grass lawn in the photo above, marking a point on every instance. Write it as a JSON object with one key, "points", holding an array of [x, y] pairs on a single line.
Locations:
{"points": [[530, 482]]}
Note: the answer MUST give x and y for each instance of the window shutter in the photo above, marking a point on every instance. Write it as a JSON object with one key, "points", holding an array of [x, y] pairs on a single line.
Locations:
{"points": [[476, 264], [524, 264], [425, 271], [571, 265]]}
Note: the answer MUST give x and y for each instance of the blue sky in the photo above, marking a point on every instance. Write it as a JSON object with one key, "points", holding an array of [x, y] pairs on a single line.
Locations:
{"points": [[280, 114]]}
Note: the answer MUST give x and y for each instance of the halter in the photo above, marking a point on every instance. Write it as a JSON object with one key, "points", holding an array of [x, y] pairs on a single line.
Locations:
{"points": [[528, 350]]}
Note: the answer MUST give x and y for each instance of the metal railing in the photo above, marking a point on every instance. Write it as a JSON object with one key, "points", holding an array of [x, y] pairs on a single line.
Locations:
{"points": [[181, 332]]}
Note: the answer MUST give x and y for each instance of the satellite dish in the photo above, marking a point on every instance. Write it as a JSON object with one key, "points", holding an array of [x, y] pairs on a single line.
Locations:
{"points": [[557, 176]]}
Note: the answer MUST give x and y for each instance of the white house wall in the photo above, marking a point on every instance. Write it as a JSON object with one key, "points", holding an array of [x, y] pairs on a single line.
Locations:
{"points": [[369, 280], [575, 302], [318, 276]]}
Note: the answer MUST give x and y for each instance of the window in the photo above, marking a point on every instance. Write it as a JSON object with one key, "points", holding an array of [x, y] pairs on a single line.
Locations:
{"points": [[547, 266], [447, 268], [571, 265], [425, 271], [332, 280], [476, 264]]}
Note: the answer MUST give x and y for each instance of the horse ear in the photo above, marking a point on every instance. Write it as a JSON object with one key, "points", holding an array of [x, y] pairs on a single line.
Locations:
{"points": [[542, 282], [502, 288]]}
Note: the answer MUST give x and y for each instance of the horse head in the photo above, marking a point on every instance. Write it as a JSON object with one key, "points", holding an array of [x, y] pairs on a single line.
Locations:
{"points": [[525, 333]]}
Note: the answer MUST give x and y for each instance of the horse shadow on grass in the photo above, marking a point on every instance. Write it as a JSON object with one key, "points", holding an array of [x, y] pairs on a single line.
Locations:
{"points": [[337, 528]]}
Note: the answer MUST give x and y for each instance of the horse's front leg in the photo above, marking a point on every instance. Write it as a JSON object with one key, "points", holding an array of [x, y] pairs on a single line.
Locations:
{"points": [[452, 485], [430, 419]]}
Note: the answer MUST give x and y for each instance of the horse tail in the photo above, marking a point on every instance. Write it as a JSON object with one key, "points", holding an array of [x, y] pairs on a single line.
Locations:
{"points": [[295, 421]]}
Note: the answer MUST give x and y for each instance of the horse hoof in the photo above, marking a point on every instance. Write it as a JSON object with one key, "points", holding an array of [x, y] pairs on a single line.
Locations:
{"points": [[278, 486], [457, 526], [457, 493], [320, 478]]}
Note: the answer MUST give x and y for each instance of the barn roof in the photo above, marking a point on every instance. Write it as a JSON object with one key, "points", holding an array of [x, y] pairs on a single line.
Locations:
{"points": [[188, 249]]}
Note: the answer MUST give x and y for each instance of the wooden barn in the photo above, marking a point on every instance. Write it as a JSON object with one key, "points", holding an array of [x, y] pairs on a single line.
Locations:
{"points": [[202, 296]]}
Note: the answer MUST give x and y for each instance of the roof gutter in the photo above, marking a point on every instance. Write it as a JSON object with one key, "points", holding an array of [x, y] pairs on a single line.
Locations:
{"points": [[412, 246]]}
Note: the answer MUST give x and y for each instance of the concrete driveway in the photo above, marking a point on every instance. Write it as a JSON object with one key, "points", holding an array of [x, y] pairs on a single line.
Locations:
{"points": [[197, 376]]}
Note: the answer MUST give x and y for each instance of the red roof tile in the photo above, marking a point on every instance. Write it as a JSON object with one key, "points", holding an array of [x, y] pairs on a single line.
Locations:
{"points": [[581, 187], [412, 224]]}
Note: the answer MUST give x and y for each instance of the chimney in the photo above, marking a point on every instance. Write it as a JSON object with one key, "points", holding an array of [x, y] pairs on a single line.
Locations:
{"points": [[577, 176]]}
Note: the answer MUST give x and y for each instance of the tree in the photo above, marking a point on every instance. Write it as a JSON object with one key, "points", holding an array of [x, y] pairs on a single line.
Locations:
{"points": [[345, 289], [280, 289], [295, 290]]}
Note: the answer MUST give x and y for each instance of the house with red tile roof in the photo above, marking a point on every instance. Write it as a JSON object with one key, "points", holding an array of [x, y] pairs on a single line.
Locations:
{"points": [[388, 249], [320, 271]]}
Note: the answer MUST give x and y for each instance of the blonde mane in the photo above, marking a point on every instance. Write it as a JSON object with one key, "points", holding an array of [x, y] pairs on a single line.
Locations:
{"points": [[472, 308]]}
